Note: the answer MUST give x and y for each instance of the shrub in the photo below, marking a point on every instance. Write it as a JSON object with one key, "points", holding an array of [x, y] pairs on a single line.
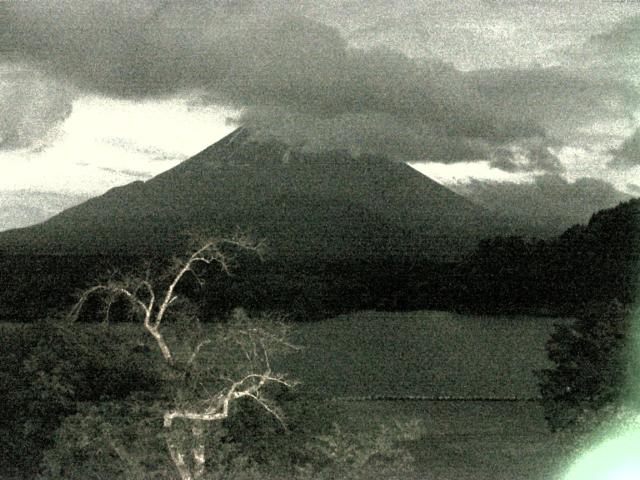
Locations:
{"points": [[592, 364], [49, 369], [125, 440], [114, 440], [363, 455]]}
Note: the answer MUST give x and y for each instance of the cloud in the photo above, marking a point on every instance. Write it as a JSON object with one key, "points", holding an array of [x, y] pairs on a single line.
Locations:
{"points": [[560, 100], [137, 174], [360, 133], [298, 78], [31, 108], [549, 200], [633, 188], [21, 208], [473, 34], [274, 66], [628, 154], [153, 153], [615, 51], [528, 154]]}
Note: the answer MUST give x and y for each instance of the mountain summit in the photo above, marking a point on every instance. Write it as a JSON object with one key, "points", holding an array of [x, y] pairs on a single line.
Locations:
{"points": [[325, 205]]}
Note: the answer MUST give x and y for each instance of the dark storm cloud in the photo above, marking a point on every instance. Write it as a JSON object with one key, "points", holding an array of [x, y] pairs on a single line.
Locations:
{"points": [[31, 108], [298, 78], [558, 99], [568, 202], [628, 154], [526, 154], [359, 133]]}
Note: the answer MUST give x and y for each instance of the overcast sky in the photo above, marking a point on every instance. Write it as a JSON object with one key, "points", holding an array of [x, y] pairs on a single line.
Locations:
{"points": [[95, 94]]}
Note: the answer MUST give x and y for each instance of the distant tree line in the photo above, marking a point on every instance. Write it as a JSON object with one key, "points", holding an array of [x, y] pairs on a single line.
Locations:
{"points": [[587, 264]]}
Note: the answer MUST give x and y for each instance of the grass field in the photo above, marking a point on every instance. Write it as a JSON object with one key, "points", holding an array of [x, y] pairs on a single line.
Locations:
{"points": [[469, 440], [421, 353], [432, 354], [439, 354]]}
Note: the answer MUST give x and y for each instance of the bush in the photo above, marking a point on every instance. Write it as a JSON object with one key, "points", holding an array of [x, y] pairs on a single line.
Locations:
{"points": [[114, 440], [363, 455], [49, 369], [125, 441], [592, 364]]}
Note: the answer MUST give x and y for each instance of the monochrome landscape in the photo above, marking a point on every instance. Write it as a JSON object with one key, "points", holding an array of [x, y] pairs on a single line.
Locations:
{"points": [[319, 240]]}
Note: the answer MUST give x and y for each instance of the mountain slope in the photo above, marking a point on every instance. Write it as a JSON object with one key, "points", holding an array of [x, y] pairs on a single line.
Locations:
{"points": [[322, 204]]}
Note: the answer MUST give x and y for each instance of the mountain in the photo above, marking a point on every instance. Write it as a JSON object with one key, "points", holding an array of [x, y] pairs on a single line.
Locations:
{"points": [[321, 205], [547, 206]]}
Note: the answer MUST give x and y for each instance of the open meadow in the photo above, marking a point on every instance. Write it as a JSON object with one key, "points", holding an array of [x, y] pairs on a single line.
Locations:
{"points": [[469, 440], [439, 354], [466, 379], [424, 353]]}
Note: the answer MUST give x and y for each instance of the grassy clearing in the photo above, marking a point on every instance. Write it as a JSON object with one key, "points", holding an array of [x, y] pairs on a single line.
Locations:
{"points": [[429, 354], [439, 354], [421, 353]]}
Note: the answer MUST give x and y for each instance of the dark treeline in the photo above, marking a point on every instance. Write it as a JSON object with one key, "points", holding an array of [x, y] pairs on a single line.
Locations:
{"points": [[34, 286], [587, 264]]}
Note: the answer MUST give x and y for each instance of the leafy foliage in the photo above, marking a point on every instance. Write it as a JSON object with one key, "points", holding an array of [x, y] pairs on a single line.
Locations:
{"points": [[115, 440], [598, 262], [592, 361], [125, 440], [378, 454], [51, 368]]}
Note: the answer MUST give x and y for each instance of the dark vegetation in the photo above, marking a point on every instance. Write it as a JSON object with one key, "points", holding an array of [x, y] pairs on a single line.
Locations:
{"points": [[48, 372], [68, 389], [595, 366], [563, 276], [595, 360], [86, 401], [588, 264]]}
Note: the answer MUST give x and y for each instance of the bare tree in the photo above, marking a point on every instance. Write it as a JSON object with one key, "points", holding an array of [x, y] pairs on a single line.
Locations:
{"points": [[207, 389]]}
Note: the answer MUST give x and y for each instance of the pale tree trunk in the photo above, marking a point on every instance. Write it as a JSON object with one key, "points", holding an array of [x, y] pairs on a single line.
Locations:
{"points": [[142, 297], [179, 461], [197, 471], [198, 451], [164, 348]]}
